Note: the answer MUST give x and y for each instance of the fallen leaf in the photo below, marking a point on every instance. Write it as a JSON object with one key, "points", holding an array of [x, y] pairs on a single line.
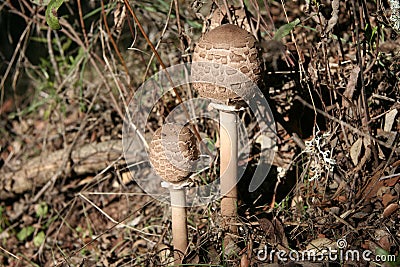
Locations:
{"points": [[383, 239], [385, 243], [244, 261], [390, 209], [355, 151], [320, 243], [351, 86], [334, 18], [387, 199], [389, 120]]}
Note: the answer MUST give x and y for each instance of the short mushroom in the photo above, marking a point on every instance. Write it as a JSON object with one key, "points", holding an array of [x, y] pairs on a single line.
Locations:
{"points": [[226, 68], [173, 152]]}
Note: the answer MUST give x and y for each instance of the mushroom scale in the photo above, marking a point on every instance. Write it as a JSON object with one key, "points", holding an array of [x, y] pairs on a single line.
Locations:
{"points": [[173, 152], [231, 46]]}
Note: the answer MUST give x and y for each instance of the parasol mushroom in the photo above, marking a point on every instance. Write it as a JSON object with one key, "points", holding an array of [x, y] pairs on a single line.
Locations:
{"points": [[218, 56], [173, 152]]}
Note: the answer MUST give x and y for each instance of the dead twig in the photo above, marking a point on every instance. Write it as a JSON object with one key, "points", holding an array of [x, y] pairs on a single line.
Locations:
{"points": [[352, 128], [365, 121], [45, 169], [164, 67]]}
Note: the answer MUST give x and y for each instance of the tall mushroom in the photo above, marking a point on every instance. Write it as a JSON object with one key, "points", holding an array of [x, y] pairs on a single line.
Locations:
{"points": [[173, 152], [218, 56]]}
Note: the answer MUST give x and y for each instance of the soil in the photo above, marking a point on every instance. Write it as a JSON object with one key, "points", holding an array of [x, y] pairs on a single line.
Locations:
{"points": [[69, 196]]}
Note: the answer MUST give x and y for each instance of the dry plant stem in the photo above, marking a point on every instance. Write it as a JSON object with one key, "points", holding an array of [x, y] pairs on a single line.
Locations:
{"points": [[52, 58], [178, 96], [14, 56], [82, 23], [9, 253], [342, 123], [179, 224], [365, 121], [228, 13], [229, 163], [112, 40], [150, 61], [68, 30], [271, 20], [178, 24], [68, 150], [61, 262]]}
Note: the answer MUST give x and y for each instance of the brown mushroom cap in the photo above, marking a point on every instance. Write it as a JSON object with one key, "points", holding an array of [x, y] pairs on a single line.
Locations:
{"points": [[231, 46], [173, 151]]}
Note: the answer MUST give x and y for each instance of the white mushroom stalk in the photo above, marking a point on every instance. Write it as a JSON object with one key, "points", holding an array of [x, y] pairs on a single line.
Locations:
{"points": [[219, 55], [179, 221], [173, 153], [229, 171]]}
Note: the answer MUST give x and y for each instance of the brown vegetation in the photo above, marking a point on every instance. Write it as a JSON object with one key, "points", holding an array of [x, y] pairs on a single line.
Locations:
{"points": [[67, 196]]}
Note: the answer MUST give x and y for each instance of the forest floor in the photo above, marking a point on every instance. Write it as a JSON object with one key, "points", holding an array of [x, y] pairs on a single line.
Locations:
{"points": [[70, 197]]}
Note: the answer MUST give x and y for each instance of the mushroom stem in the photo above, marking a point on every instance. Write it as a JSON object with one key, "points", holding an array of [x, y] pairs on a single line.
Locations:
{"points": [[179, 223], [229, 165]]}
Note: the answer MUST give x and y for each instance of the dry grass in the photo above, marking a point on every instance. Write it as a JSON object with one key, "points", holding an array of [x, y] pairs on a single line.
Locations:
{"points": [[332, 80]]}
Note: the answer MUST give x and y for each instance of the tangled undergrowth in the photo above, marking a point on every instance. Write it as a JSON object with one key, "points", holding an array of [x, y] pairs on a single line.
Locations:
{"points": [[68, 198]]}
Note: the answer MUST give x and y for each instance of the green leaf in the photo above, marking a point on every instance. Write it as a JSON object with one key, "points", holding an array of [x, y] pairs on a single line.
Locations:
{"points": [[51, 14], [25, 233], [42, 209], [39, 239], [285, 29], [194, 24]]}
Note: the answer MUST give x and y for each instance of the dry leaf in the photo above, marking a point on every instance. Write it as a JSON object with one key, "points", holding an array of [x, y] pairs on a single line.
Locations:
{"points": [[321, 243], [355, 151], [274, 231], [351, 86], [385, 243], [165, 255], [244, 261], [388, 198], [382, 238], [333, 20], [389, 120], [390, 209], [126, 177], [119, 16]]}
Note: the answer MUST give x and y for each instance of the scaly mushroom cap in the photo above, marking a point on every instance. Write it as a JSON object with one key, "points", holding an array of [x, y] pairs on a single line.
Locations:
{"points": [[231, 46], [173, 151]]}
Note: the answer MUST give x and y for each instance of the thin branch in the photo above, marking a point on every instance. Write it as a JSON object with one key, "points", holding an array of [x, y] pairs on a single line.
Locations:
{"points": [[52, 58], [327, 115], [82, 23], [11, 63], [121, 59], [162, 65], [365, 121]]}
